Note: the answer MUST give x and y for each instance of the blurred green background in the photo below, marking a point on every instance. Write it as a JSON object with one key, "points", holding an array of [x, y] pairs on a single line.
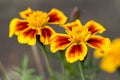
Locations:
{"points": [[106, 12]]}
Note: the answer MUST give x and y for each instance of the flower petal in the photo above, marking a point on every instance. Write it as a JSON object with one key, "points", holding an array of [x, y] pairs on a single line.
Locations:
{"points": [[59, 42], [98, 42], [76, 52], [111, 61], [113, 48], [115, 45], [98, 54], [69, 26], [108, 64], [56, 17], [16, 26], [28, 36], [45, 33], [94, 27], [25, 13]]}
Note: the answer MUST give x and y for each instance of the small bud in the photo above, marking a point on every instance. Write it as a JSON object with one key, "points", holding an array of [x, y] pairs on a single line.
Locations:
{"points": [[75, 13]]}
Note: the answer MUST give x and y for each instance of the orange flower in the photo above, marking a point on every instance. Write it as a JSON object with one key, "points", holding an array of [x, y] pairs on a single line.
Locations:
{"points": [[76, 39], [35, 23], [111, 59]]}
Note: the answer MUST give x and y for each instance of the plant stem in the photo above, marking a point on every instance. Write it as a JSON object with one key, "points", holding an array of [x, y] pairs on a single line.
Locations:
{"points": [[62, 61], [81, 68], [62, 64], [50, 70], [65, 70], [38, 61]]}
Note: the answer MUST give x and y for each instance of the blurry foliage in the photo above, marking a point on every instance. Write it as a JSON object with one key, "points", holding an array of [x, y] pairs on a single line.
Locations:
{"points": [[24, 73]]}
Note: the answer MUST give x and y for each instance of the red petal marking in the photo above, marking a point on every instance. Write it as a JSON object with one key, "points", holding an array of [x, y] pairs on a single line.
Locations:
{"points": [[71, 26], [92, 29], [46, 32], [54, 17], [75, 50], [96, 42], [27, 14], [30, 33], [21, 26], [62, 40]]}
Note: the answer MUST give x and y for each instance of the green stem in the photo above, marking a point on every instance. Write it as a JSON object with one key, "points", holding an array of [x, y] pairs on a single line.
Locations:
{"points": [[62, 64], [65, 70], [50, 70], [62, 61], [38, 60], [81, 68]]}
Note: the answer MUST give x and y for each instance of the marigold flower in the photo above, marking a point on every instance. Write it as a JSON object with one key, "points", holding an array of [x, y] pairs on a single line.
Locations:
{"points": [[35, 23], [111, 59], [76, 39]]}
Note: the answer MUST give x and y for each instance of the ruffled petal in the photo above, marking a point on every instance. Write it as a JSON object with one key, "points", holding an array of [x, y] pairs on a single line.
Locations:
{"points": [[17, 26], [28, 36], [59, 42], [98, 42], [26, 13], [69, 26], [45, 34], [94, 27], [56, 17], [76, 52]]}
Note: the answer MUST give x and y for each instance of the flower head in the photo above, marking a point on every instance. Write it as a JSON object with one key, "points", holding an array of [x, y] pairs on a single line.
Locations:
{"points": [[111, 59], [35, 23], [76, 39]]}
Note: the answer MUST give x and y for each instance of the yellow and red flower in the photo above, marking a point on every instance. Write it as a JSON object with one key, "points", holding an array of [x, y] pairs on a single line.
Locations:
{"points": [[35, 23], [111, 59], [76, 39]]}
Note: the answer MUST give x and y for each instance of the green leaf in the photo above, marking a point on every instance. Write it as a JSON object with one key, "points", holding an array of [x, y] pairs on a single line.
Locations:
{"points": [[25, 73], [17, 69]]}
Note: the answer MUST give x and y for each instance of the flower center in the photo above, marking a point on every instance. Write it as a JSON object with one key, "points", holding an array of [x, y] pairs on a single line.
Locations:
{"points": [[79, 34], [37, 19]]}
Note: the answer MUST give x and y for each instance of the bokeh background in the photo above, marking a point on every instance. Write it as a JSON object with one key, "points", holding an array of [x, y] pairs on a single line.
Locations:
{"points": [[106, 12]]}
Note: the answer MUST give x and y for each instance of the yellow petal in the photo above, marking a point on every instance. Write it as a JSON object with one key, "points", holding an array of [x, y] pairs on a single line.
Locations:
{"points": [[69, 26], [25, 13], [115, 45], [108, 64], [56, 17], [59, 42], [111, 61], [111, 50], [98, 42], [16, 26], [98, 54], [45, 34], [76, 52], [28, 36], [94, 27]]}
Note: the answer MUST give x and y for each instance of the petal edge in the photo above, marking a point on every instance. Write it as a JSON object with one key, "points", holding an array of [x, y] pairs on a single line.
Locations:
{"points": [[16, 26], [99, 43], [45, 34], [56, 17], [94, 27], [76, 52]]}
